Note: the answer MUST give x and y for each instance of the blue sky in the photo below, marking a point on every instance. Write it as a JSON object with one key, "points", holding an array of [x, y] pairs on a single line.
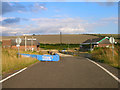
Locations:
{"points": [[53, 17]]}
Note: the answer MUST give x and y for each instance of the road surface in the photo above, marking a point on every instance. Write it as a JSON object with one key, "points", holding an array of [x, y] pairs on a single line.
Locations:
{"points": [[69, 72]]}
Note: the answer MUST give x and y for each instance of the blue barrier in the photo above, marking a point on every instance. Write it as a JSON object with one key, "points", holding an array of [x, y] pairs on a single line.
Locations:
{"points": [[43, 57]]}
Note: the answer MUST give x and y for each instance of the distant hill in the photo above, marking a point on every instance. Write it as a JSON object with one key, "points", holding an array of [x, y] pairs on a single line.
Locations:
{"points": [[116, 36], [66, 38], [53, 39]]}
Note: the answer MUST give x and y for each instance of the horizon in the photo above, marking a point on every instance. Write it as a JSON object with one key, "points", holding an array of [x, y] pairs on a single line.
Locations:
{"points": [[62, 34]]}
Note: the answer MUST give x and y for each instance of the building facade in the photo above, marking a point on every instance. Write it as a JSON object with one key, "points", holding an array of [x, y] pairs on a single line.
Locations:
{"points": [[90, 44], [30, 44]]}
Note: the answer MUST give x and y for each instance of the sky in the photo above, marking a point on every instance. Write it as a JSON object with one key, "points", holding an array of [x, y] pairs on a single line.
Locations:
{"points": [[20, 18]]}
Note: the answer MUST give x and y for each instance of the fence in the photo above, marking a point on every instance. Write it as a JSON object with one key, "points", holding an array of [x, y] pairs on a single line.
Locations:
{"points": [[43, 57]]}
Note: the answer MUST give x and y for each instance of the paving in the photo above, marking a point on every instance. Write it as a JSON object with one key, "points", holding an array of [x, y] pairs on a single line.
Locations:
{"points": [[69, 72]]}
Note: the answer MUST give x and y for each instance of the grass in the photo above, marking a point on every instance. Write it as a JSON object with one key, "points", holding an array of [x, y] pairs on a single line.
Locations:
{"points": [[105, 55], [10, 61]]}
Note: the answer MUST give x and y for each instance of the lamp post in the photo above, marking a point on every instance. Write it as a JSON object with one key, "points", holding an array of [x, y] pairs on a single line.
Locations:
{"points": [[60, 39]]}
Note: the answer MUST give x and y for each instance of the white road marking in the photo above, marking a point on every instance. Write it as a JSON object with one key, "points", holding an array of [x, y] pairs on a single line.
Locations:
{"points": [[12, 75], [116, 78]]}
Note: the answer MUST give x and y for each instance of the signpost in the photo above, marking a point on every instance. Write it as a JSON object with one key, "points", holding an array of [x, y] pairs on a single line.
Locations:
{"points": [[28, 39], [112, 41], [32, 39], [18, 41]]}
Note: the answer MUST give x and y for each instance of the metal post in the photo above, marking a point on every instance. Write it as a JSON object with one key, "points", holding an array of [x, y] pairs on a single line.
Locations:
{"points": [[112, 41], [25, 44], [113, 50], [18, 53], [18, 49]]}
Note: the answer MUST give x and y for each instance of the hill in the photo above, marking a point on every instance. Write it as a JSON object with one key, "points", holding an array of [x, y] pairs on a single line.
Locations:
{"points": [[66, 38], [116, 36], [53, 39]]}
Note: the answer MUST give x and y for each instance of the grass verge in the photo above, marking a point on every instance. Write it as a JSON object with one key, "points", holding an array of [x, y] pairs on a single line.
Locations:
{"points": [[105, 55], [10, 61]]}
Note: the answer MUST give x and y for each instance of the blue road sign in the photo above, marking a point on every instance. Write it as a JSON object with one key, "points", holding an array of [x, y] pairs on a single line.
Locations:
{"points": [[43, 57]]}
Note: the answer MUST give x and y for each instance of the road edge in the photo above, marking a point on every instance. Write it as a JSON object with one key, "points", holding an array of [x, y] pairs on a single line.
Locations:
{"points": [[116, 78], [1, 81]]}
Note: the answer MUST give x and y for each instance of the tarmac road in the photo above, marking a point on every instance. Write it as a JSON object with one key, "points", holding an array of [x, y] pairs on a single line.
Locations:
{"points": [[69, 72]]}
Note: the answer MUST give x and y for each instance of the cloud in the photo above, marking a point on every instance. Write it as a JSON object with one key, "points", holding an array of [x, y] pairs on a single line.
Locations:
{"points": [[110, 19], [12, 30], [54, 26], [11, 7], [11, 20], [60, 16], [47, 26], [106, 3], [100, 23], [38, 7], [72, 29], [66, 25], [8, 7]]}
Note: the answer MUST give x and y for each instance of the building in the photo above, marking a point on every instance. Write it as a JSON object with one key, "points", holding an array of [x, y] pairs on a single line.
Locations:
{"points": [[97, 42], [30, 44], [6, 43]]}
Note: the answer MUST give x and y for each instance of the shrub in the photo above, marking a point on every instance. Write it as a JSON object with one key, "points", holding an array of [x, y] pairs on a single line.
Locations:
{"points": [[106, 55]]}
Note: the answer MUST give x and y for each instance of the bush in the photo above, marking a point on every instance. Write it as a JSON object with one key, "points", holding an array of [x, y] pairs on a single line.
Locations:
{"points": [[106, 55]]}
